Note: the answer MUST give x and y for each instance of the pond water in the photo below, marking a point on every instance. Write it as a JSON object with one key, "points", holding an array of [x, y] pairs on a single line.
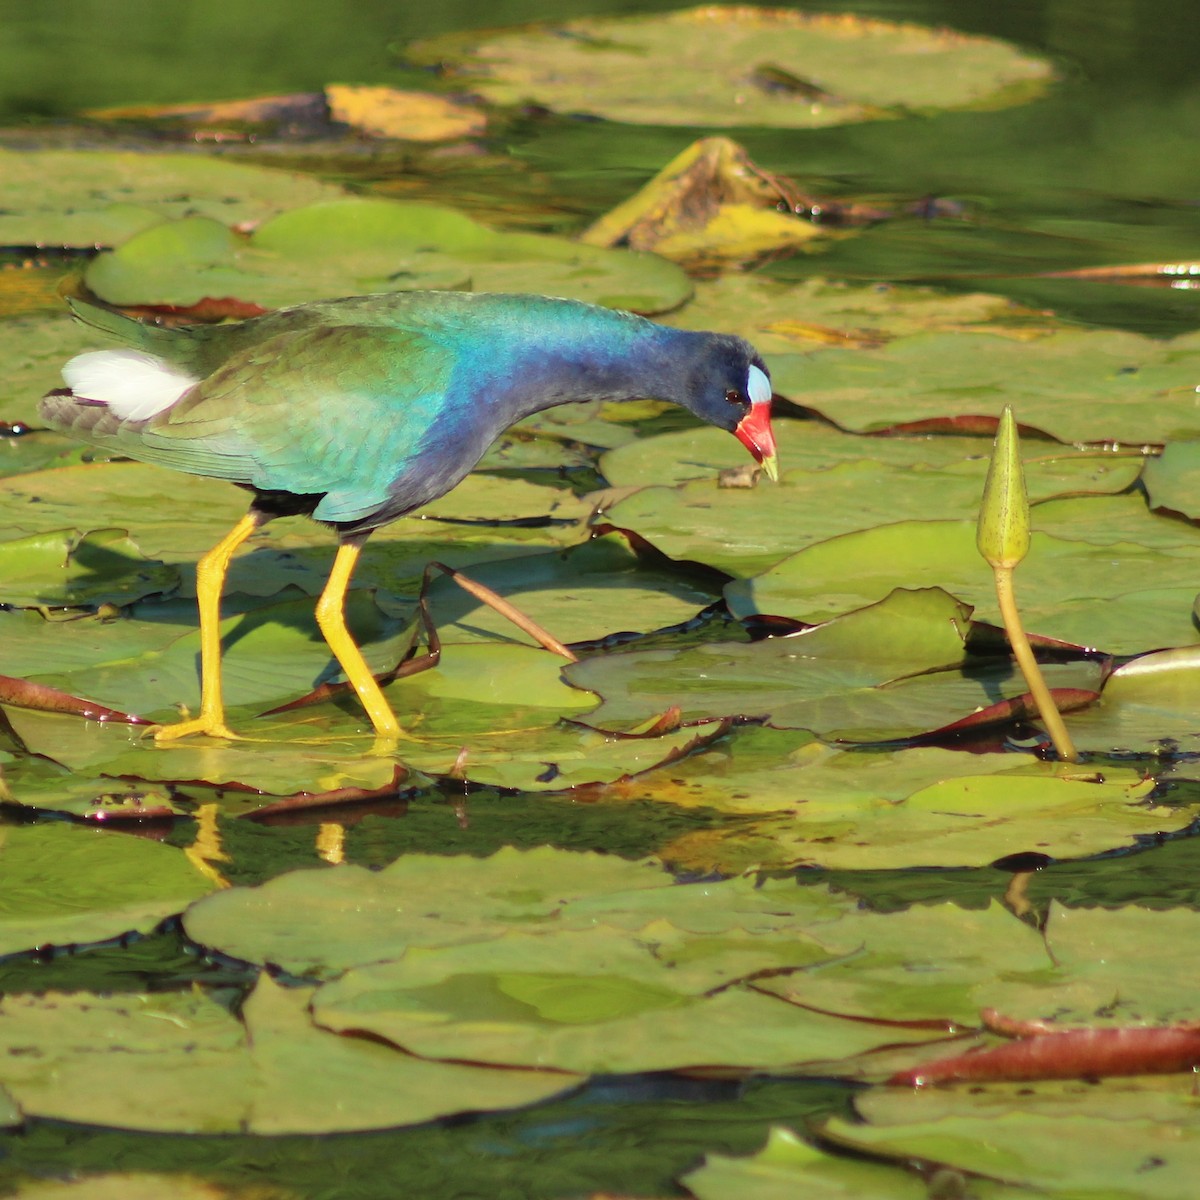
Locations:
{"points": [[1101, 171]]}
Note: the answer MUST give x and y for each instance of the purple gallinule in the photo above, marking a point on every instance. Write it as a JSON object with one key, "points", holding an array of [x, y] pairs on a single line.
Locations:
{"points": [[358, 411]]}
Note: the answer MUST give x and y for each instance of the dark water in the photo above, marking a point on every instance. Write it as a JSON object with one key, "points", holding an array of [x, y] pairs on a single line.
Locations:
{"points": [[1103, 170]]}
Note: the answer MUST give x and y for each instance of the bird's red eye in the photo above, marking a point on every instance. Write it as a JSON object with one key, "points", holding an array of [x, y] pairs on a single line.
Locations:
{"points": [[737, 398]]}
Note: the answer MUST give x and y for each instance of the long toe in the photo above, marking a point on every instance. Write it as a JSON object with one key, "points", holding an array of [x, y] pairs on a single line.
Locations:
{"points": [[212, 727]]}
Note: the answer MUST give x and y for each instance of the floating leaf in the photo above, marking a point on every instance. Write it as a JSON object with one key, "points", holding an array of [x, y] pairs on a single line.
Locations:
{"points": [[781, 318], [740, 66], [1075, 385], [320, 922], [90, 198], [1173, 479], [595, 1000], [883, 673], [351, 247], [1121, 598], [202, 1070], [1148, 706], [1117, 1139], [65, 885], [787, 1167], [65, 570], [922, 807], [744, 530]]}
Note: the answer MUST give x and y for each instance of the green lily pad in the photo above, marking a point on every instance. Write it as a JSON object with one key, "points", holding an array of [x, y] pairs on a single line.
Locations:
{"points": [[745, 530], [321, 922], [1074, 385], [292, 551], [581, 593], [817, 806], [351, 247], [495, 706], [782, 318], [929, 963], [889, 672], [34, 350], [1173, 479], [1104, 520], [66, 885], [1122, 598], [34, 782], [1148, 705], [202, 1070], [595, 1000], [701, 452], [1115, 1141], [62, 569], [1090, 966], [787, 1167], [273, 654], [740, 66], [89, 198]]}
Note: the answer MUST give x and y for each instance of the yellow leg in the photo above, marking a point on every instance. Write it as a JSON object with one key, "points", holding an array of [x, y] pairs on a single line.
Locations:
{"points": [[331, 618], [210, 582]]}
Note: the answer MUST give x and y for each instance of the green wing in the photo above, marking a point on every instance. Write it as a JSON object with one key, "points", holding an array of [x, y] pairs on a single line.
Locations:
{"points": [[327, 410]]}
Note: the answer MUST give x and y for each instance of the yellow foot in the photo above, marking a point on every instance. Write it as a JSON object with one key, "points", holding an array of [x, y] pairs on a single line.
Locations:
{"points": [[213, 727], [387, 745]]}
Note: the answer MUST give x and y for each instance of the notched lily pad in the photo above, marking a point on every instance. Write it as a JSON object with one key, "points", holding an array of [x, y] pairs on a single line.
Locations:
{"points": [[65, 885], [202, 1070], [88, 198], [1123, 597], [352, 247], [320, 922], [740, 65], [63, 569], [1090, 386]]}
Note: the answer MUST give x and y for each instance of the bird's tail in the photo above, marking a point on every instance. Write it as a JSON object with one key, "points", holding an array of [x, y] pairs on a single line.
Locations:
{"points": [[154, 339]]}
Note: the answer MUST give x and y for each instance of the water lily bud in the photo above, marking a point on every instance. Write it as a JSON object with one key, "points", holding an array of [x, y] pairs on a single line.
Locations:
{"points": [[1003, 532]]}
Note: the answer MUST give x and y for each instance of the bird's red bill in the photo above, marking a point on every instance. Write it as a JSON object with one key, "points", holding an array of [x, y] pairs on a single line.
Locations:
{"points": [[754, 432]]}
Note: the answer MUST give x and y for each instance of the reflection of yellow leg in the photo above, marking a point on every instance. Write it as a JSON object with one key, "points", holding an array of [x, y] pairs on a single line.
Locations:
{"points": [[331, 618], [210, 582]]}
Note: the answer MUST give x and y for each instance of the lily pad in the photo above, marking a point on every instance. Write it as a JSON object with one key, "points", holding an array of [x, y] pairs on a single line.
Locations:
{"points": [[352, 247], [487, 517], [811, 314], [66, 885], [202, 1070], [787, 1167], [37, 783], [595, 1001], [1148, 705], [35, 349], [89, 198], [320, 922], [740, 66], [1075, 385], [585, 592], [62, 569], [1173, 479], [1121, 1139], [889, 672], [818, 806], [743, 530], [1122, 598]]}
